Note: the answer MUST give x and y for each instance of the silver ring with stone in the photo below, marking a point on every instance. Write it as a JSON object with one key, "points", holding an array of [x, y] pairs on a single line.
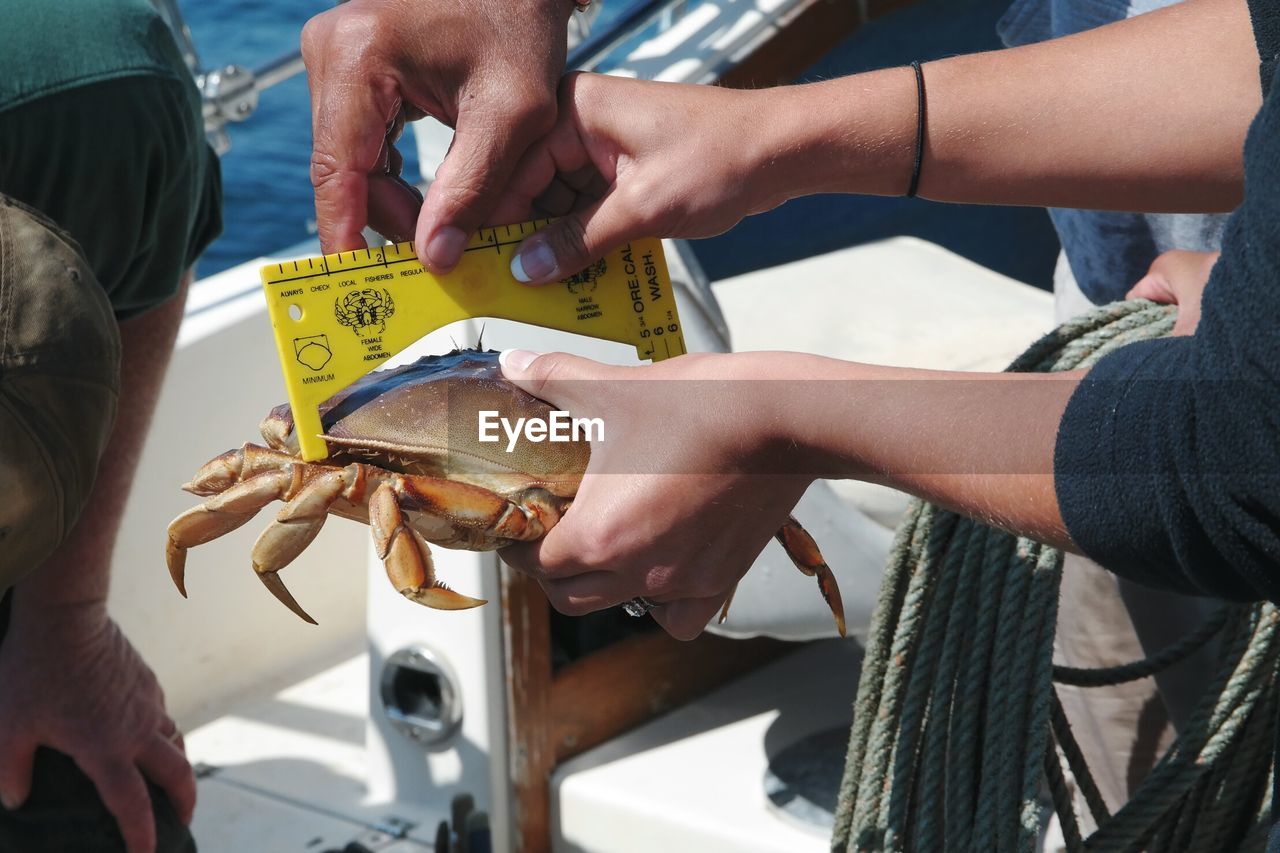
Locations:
{"points": [[639, 606]]}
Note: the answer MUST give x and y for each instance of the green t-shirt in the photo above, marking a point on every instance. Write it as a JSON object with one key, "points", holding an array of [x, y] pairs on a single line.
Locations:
{"points": [[51, 46], [101, 130]]}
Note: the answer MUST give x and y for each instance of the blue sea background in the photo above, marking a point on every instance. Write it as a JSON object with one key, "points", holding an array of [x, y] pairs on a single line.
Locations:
{"points": [[267, 192]]}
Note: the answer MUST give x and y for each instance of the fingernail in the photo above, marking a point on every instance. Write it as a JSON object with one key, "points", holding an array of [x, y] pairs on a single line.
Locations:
{"points": [[445, 248], [9, 802], [534, 262], [516, 360]]}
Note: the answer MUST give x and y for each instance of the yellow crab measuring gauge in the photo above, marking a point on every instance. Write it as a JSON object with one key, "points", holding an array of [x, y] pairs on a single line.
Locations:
{"points": [[340, 316]]}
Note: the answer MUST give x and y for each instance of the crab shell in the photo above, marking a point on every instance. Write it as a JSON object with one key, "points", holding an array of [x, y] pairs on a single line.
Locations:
{"points": [[405, 458], [423, 419]]}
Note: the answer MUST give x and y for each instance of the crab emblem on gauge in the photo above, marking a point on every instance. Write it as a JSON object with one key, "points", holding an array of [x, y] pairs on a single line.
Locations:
{"points": [[361, 309]]}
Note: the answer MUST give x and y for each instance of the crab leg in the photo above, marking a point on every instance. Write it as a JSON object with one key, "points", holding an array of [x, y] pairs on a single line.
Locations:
{"points": [[489, 515], [223, 513], [803, 551], [225, 470], [724, 608], [297, 524], [406, 557]]}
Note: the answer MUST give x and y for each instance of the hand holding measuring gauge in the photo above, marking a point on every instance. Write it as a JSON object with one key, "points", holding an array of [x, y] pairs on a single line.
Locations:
{"points": [[487, 68], [630, 159]]}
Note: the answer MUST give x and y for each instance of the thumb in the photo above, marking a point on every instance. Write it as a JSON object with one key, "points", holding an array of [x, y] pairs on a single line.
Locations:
{"points": [[16, 760], [565, 381], [571, 243]]}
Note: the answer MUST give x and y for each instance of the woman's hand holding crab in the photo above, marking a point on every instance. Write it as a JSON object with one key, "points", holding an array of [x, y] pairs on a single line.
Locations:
{"points": [[688, 486]]}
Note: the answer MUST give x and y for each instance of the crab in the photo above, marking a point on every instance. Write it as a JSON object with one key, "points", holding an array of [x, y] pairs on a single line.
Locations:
{"points": [[405, 457]]}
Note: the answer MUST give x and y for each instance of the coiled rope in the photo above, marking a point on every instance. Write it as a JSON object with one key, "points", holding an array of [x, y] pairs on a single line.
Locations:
{"points": [[958, 730]]}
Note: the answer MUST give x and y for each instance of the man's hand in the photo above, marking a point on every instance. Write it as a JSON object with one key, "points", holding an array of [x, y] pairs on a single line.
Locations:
{"points": [[630, 158], [74, 683], [487, 68], [1178, 277]]}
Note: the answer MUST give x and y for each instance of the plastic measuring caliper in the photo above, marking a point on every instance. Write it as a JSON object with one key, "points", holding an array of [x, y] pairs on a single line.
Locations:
{"points": [[339, 316]]}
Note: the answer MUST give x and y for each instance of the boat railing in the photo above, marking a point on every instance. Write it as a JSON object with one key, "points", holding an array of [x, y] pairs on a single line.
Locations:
{"points": [[230, 92]]}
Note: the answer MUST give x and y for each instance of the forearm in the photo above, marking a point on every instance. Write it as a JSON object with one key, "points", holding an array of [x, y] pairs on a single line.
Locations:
{"points": [[1147, 114], [980, 444]]}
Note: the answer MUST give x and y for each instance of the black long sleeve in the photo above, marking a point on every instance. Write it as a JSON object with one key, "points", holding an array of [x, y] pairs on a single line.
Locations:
{"points": [[1167, 463]]}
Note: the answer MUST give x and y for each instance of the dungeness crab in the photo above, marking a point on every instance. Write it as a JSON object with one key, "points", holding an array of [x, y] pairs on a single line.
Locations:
{"points": [[406, 459]]}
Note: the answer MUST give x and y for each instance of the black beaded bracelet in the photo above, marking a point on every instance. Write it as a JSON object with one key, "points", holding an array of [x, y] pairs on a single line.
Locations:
{"points": [[920, 111]]}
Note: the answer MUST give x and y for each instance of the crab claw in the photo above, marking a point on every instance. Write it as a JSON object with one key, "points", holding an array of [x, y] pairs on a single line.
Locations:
{"points": [[175, 556], [440, 597], [294, 528], [218, 516], [406, 556], [271, 580], [225, 470], [803, 551]]}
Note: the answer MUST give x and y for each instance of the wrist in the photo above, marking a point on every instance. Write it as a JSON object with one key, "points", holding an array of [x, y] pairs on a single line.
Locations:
{"points": [[815, 415], [53, 595], [771, 140], [776, 401], [853, 135], [56, 618]]}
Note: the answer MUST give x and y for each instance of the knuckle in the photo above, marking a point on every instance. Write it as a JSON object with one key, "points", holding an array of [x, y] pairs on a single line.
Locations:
{"points": [[581, 607], [349, 36], [684, 629], [597, 553], [554, 571], [693, 633], [470, 190], [569, 242], [546, 370], [325, 168], [580, 88], [573, 83], [315, 35], [357, 31]]}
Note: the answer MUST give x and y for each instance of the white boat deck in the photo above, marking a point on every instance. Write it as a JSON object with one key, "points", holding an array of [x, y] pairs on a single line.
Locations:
{"points": [[287, 771], [283, 770]]}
